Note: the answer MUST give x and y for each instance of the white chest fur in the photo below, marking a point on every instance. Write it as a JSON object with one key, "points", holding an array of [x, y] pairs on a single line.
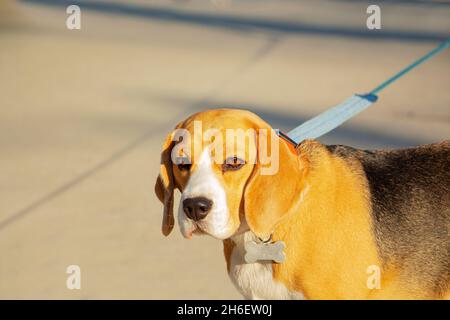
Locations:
{"points": [[255, 280]]}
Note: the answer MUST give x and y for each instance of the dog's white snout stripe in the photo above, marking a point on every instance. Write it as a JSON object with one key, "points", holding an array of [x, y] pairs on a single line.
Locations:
{"points": [[204, 183]]}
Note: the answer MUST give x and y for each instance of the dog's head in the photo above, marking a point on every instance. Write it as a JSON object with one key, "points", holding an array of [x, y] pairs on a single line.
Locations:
{"points": [[234, 174]]}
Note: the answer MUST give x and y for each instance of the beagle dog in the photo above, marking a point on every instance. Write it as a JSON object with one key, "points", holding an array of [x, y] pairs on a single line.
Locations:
{"points": [[354, 224]]}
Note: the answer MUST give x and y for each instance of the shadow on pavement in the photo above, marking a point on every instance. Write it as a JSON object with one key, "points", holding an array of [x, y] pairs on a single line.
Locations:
{"points": [[244, 24]]}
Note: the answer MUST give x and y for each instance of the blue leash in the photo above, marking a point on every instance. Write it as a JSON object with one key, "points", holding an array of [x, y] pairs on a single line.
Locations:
{"points": [[337, 115]]}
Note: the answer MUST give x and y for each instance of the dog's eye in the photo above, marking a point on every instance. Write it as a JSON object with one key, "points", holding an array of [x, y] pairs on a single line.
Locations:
{"points": [[183, 163], [233, 163]]}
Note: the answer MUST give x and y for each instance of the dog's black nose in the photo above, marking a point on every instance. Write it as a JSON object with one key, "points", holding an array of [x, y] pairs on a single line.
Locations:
{"points": [[197, 208]]}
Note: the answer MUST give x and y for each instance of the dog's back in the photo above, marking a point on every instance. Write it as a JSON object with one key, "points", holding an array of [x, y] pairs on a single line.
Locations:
{"points": [[410, 197]]}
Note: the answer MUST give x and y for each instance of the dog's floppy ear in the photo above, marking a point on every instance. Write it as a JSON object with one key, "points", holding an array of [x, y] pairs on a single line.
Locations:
{"points": [[268, 198], [164, 186]]}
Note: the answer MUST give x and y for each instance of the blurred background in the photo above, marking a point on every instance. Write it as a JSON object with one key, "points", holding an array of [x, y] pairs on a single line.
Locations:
{"points": [[83, 114]]}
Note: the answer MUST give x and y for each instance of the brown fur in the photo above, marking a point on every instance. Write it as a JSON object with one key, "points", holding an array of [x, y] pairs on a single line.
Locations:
{"points": [[410, 200]]}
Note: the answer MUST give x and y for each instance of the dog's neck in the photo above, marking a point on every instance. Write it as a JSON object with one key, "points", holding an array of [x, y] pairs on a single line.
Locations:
{"points": [[322, 218]]}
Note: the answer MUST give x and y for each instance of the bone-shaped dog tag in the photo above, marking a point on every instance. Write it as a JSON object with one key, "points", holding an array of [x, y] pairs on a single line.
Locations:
{"points": [[271, 251]]}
